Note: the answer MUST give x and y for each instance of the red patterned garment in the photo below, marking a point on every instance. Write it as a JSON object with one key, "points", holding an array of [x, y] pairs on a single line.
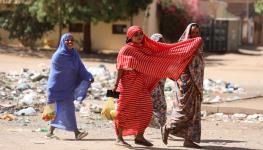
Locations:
{"points": [[144, 65]]}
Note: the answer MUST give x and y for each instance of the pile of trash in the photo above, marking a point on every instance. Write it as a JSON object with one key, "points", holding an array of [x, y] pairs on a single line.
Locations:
{"points": [[24, 92], [215, 91], [220, 86], [23, 87]]}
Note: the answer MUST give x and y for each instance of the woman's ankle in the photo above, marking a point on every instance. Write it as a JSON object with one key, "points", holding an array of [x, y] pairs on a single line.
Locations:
{"points": [[77, 132], [139, 136]]}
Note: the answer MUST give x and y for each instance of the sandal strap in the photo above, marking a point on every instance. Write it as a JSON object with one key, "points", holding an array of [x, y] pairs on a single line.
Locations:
{"points": [[81, 135]]}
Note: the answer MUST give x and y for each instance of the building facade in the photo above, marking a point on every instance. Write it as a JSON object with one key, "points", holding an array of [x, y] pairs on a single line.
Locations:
{"points": [[244, 27]]}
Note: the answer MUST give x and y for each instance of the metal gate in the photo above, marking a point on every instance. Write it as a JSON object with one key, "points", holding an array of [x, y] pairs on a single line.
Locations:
{"points": [[215, 35]]}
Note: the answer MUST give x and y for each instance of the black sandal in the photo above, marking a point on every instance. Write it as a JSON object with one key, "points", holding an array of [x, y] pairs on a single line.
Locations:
{"points": [[51, 136], [143, 142], [191, 144], [81, 135], [165, 134]]}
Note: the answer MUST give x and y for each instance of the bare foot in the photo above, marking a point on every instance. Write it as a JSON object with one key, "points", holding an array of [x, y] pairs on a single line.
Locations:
{"points": [[191, 144], [120, 142]]}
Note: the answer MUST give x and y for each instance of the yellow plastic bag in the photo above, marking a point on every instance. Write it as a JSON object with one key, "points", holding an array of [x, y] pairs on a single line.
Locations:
{"points": [[49, 112], [108, 110]]}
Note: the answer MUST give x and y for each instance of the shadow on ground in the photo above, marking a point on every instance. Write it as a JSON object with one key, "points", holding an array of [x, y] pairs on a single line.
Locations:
{"points": [[47, 53], [183, 148], [111, 56], [225, 148], [82, 140]]}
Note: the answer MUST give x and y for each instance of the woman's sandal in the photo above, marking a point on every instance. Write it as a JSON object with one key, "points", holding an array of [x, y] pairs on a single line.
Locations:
{"points": [[143, 142], [51, 136], [165, 134], [81, 135], [190, 144]]}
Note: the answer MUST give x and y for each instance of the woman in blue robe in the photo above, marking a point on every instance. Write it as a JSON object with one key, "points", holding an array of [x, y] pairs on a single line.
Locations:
{"points": [[66, 73]]}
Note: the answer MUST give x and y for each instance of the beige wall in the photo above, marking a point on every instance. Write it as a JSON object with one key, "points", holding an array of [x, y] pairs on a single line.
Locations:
{"points": [[103, 39], [5, 40], [152, 22], [50, 39]]}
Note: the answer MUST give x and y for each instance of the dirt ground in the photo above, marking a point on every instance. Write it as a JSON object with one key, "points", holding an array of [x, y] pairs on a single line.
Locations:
{"points": [[215, 136], [244, 68]]}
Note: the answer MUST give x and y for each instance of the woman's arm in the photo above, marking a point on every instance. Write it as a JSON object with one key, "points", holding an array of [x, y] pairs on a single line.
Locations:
{"points": [[85, 75], [119, 74]]}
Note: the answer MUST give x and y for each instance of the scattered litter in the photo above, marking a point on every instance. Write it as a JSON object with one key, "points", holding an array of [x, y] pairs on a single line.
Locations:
{"points": [[8, 117], [30, 111], [39, 142], [40, 130]]}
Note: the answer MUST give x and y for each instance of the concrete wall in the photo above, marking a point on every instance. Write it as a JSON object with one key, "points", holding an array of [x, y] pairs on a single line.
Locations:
{"points": [[104, 39]]}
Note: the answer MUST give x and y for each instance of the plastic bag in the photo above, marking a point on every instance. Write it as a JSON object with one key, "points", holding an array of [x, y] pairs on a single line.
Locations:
{"points": [[49, 112], [108, 110]]}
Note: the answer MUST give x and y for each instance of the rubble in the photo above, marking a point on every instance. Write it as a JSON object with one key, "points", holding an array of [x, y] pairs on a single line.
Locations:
{"points": [[27, 87]]}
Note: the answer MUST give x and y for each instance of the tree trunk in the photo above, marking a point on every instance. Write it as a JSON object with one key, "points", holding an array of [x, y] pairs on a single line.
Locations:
{"points": [[59, 32], [60, 24], [261, 36], [131, 20], [86, 38]]}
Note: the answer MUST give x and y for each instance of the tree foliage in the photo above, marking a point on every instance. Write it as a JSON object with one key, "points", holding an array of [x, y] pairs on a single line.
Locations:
{"points": [[176, 15], [29, 22], [173, 20], [259, 7], [86, 11], [22, 25]]}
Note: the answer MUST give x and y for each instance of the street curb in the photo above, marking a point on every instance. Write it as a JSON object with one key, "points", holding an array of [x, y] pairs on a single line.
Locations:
{"points": [[230, 110]]}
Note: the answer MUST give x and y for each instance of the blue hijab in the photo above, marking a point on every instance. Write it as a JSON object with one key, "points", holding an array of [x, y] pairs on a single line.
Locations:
{"points": [[66, 73]]}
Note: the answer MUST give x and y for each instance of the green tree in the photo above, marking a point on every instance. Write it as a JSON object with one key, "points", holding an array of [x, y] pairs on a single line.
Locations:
{"points": [[22, 25], [52, 11], [173, 19], [87, 12], [132, 7], [259, 7]]}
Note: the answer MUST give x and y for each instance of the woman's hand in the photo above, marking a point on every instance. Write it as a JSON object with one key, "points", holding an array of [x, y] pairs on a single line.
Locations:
{"points": [[119, 74], [50, 102], [115, 88], [91, 80]]}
